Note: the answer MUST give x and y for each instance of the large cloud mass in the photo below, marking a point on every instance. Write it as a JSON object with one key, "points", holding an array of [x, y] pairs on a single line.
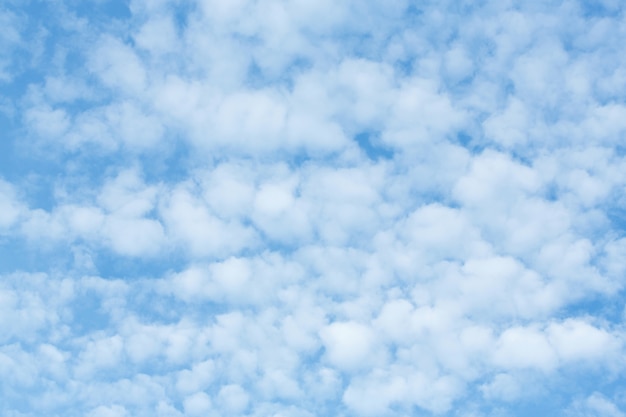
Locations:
{"points": [[312, 208]]}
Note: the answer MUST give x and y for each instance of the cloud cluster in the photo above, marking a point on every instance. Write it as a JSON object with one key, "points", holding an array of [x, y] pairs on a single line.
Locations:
{"points": [[301, 208]]}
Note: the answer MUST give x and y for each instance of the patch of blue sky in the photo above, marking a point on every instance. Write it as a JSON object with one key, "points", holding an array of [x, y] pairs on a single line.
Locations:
{"points": [[258, 77], [111, 266], [102, 9], [20, 255], [599, 8], [369, 142]]}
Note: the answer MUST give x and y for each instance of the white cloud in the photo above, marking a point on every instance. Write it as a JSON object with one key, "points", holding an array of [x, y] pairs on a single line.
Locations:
{"points": [[119, 222], [525, 347], [10, 38], [349, 346], [229, 190], [133, 236], [503, 387], [112, 411], [63, 89], [421, 114], [442, 232], [158, 35], [199, 377], [133, 127], [595, 404], [197, 404], [279, 214], [509, 127], [127, 195], [102, 353], [458, 63], [233, 399], [377, 393], [10, 206], [118, 66], [84, 221], [47, 122], [494, 178], [188, 220], [578, 341]]}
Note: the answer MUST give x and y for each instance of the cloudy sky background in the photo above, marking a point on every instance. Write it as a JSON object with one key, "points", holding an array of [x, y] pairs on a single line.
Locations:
{"points": [[305, 208]]}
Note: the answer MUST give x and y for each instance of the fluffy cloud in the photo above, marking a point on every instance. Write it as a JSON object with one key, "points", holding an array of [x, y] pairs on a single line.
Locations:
{"points": [[10, 207]]}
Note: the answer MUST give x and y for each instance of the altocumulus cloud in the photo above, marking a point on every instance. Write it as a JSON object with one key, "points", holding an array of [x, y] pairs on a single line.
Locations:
{"points": [[312, 208]]}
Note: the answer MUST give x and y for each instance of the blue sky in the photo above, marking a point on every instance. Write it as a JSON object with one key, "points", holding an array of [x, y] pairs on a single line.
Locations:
{"points": [[305, 208]]}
